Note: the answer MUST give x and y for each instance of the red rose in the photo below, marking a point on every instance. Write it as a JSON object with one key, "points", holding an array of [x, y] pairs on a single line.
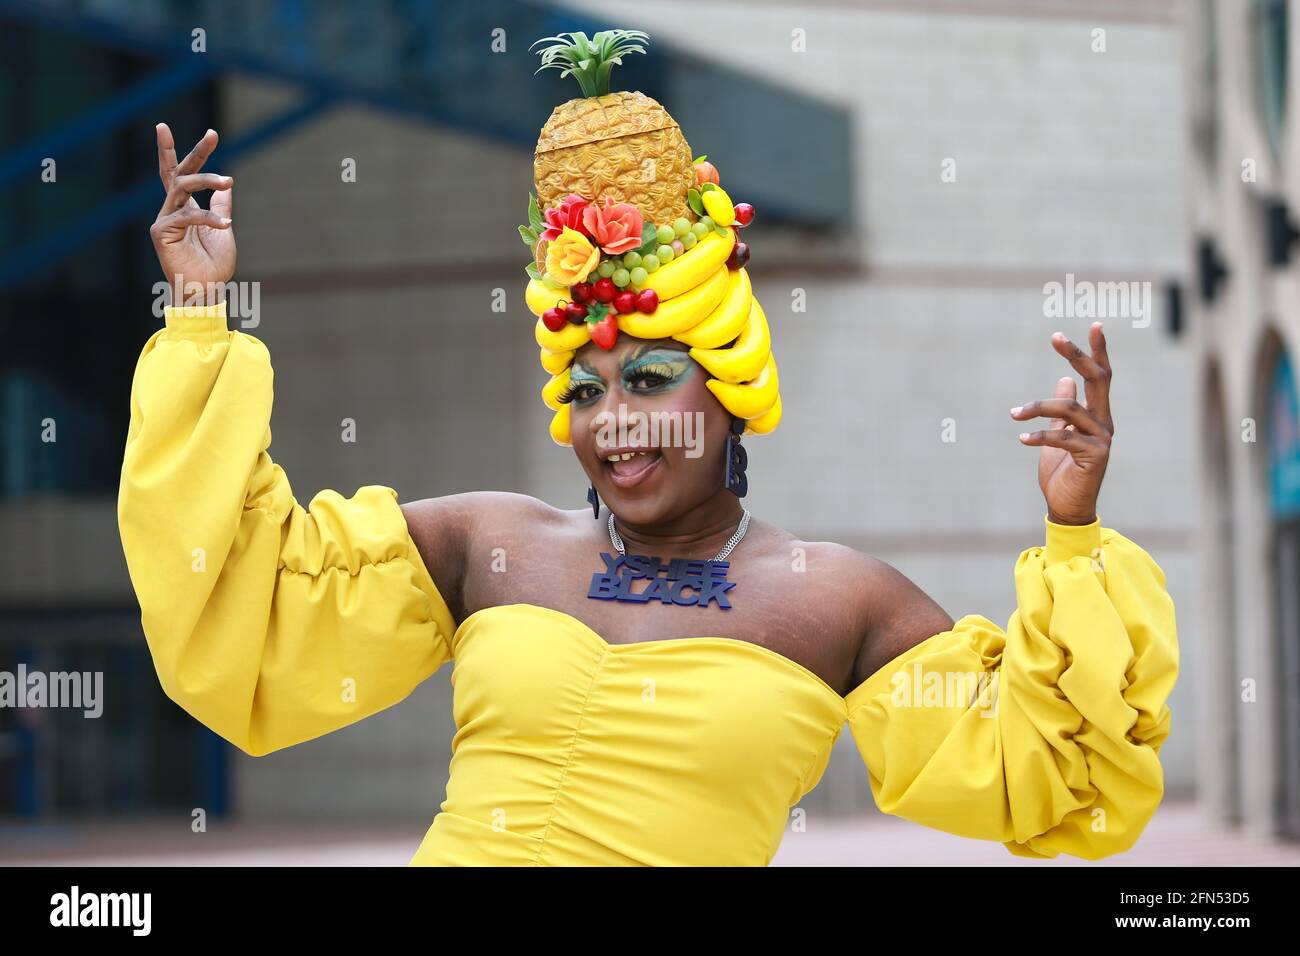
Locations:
{"points": [[568, 213]]}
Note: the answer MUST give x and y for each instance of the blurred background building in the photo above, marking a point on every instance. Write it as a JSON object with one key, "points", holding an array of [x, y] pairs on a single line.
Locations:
{"points": [[922, 172], [1244, 323]]}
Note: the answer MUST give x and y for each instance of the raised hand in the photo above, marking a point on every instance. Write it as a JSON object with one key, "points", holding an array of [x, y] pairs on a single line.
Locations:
{"points": [[1077, 445], [195, 246]]}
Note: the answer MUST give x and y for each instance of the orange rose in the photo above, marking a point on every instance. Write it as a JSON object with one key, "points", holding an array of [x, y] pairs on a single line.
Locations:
{"points": [[570, 258], [615, 227]]}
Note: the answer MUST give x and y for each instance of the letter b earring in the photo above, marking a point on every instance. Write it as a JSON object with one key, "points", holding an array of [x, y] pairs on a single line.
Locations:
{"points": [[737, 459], [593, 499]]}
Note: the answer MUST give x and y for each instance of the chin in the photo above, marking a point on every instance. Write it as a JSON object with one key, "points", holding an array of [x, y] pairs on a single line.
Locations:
{"points": [[640, 507]]}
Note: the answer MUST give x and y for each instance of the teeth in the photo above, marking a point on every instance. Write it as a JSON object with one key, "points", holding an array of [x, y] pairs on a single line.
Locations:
{"points": [[627, 457]]}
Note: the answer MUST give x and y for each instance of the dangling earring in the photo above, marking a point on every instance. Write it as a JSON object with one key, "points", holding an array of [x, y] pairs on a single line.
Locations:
{"points": [[593, 499], [737, 459]]}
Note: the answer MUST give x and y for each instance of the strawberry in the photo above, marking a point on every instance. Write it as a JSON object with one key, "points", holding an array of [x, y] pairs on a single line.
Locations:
{"points": [[605, 332]]}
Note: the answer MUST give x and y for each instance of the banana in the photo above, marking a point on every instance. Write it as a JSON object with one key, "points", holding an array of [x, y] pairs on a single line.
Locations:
{"points": [[766, 422], [568, 339], [556, 362], [679, 313], [726, 321], [539, 296], [744, 360], [560, 427], [554, 387], [749, 400], [690, 268]]}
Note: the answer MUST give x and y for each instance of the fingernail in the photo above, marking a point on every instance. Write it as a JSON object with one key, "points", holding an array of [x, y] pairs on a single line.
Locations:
{"points": [[1024, 436], [226, 222], [1017, 410]]}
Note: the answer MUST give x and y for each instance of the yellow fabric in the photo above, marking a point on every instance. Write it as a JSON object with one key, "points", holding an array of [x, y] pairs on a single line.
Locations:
{"points": [[269, 623], [272, 624]]}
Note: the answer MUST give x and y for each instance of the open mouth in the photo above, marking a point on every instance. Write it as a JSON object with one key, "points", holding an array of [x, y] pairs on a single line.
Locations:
{"points": [[628, 467]]}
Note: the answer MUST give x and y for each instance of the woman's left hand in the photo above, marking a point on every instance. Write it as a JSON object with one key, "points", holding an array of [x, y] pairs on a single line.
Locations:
{"points": [[1077, 446]]}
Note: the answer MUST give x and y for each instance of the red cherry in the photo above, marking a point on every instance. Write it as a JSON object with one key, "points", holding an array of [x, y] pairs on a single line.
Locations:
{"points": [[554, 319], [605, 332], [647, 300], [744, 214], [625, 302], [604, 290], [575, 313], [739, 256], [581, 292]]}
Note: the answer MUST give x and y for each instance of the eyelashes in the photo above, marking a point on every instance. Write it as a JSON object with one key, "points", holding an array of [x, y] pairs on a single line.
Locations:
{"points": [[652, 370], [571, 392], [655, 373]]}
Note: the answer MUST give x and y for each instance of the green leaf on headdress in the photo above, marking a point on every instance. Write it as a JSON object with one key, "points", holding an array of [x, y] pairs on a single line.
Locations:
{"points": [[534, 213], [693, 200], [649, 239], [533, 272], [699, 159], [528, 236]]}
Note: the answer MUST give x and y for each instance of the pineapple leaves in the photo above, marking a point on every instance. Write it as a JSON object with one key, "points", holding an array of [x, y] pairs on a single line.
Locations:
{"points": [[590, 62]]}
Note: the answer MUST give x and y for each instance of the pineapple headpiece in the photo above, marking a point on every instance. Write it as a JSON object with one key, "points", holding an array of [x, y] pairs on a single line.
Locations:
{"points": [[629, 234]]}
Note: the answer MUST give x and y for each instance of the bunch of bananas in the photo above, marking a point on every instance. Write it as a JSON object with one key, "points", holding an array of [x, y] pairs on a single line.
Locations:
{"points": [[703, 304]]}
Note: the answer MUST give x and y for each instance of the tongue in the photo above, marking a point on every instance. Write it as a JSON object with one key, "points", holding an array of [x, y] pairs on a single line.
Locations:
{"points": [[633, 465]]}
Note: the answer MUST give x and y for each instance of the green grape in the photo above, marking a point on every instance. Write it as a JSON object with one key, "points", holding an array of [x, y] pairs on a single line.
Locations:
{"points": [[605, 269], [632, 259], [639, 274], [700, 230], [650, 263], [689, 240], [681, 227], [666, 235], [708, 223], [621, 277], [665, 253]]}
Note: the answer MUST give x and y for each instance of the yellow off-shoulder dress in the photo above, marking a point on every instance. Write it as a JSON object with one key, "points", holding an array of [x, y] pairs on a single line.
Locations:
{"points": [[274, 624]]}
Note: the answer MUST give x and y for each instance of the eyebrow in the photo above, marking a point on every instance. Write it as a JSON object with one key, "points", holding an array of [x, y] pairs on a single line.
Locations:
{"points": [[655, 347]]}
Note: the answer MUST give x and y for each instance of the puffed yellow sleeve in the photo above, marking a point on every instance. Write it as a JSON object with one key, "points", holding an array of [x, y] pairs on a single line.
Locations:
{"points": [[269, 623], [1045, 736]]}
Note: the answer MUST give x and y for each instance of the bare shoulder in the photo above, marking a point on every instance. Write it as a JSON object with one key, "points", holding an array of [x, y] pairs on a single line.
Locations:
{"points": [[888, 612], [447, 530]]}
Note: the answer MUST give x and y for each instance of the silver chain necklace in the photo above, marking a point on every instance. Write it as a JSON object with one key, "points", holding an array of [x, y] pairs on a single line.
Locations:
{"points": [[726, 549]]}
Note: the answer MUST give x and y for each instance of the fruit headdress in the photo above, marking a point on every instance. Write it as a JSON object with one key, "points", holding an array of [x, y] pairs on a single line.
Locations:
{"points": [[629, 234]]}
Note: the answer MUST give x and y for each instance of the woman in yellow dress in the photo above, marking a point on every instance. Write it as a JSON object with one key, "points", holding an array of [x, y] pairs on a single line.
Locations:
{"points": [[662, 685]]}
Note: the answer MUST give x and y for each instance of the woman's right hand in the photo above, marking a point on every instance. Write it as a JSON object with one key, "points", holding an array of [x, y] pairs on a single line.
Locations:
{"points": [[195, 246]]}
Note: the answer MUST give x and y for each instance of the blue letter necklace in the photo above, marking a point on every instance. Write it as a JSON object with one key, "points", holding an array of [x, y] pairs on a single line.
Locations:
{"points": [[684, 582]]}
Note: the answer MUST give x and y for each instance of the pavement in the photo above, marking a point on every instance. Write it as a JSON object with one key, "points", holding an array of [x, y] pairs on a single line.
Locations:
{"points": [[1179, 835]]}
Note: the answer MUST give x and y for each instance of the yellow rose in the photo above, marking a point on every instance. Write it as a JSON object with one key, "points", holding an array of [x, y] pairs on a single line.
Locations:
{"points": [[570, 258]]}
